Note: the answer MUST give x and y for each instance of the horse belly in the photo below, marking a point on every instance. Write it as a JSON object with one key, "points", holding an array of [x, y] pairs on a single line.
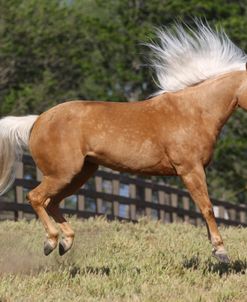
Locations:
{"points": [[134, 157]]}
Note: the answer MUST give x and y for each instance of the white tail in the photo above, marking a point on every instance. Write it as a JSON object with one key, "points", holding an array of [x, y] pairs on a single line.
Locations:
{"points": [[14, 136]]}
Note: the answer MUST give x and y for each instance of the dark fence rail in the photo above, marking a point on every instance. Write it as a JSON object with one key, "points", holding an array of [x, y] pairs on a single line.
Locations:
{"points": [[117, 196]]}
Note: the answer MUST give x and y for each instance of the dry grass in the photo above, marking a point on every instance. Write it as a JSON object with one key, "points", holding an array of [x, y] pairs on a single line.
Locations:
{"points": [[116, 261]]}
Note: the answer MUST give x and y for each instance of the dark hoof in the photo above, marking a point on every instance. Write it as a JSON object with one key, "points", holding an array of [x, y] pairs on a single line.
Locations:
{"points": [[48, 248], [63, 247], [221, 257]]}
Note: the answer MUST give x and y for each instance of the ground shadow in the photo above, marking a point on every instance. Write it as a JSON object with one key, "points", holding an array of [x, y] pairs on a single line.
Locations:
{"points": [[102, 270], [210, 266]]}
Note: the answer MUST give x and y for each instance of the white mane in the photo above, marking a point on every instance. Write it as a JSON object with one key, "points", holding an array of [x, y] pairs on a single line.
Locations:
{"points": [[185, 56]]}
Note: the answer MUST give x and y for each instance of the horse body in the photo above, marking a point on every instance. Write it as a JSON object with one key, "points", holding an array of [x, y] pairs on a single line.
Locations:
{"points": [[173, 133], [143, 137], [170, 134], [123, 136]]}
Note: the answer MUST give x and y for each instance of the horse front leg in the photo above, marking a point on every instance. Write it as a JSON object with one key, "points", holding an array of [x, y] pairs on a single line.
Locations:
{"points": [[195, 181]]}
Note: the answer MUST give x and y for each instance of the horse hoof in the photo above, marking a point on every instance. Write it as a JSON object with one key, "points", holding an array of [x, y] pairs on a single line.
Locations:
{"points": [[63, 247], [221, 256], [48, 247]]}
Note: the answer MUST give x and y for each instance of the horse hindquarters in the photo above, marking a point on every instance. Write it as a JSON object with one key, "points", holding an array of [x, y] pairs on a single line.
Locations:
{"points": [[65, 170]]}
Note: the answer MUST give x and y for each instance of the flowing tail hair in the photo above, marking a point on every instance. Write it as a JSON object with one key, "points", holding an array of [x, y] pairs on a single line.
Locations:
{"points": [[14, 137]]}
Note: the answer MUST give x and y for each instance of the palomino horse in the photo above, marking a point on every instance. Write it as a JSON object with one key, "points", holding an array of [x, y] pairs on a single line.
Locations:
{"points": [[203, 79]]}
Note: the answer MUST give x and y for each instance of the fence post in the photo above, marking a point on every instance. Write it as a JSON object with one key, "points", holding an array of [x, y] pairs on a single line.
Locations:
{"points": [[242, 214], [99, 201], [174, 203], [115, 191], [161, 198], [232, 213], [80, 202], [148, 198], [219, 211], [186, 206], [19, 190], [132, 194]]}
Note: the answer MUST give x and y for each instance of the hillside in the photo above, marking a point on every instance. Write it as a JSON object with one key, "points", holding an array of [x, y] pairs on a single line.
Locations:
{"points": [[148, 261]]}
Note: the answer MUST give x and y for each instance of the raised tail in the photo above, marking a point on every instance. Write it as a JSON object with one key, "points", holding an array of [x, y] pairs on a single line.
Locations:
{"points": [[14, 137]]}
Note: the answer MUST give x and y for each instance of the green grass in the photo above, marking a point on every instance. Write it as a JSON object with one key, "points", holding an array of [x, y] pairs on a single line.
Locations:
{"points": [[113, 261]]}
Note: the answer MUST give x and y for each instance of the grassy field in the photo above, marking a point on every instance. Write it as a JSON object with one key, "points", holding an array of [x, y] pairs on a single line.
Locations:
{"points": [[148, 261]]}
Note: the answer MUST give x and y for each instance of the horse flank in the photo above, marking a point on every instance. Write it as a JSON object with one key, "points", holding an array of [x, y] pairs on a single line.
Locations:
{"points": [[185, 56], [14, 137]]}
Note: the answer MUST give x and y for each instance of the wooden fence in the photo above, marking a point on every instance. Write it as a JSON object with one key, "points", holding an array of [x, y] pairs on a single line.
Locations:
{"points": [[117, 196]]}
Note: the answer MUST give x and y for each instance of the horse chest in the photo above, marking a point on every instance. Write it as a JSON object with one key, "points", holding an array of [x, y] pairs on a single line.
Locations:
{"points": [[190, 146]]}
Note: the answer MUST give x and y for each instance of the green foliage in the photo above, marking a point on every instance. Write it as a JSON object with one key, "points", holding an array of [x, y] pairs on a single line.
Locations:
{"points": [[56, 50], [148, 261]]}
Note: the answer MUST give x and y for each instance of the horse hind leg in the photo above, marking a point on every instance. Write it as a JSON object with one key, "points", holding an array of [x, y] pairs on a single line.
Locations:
{"points": [[48, 195], [68, 234], [39, 198], [53, 207]]}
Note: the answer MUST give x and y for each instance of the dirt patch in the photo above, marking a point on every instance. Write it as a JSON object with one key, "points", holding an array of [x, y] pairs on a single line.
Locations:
{"points": [[18, 258]]}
